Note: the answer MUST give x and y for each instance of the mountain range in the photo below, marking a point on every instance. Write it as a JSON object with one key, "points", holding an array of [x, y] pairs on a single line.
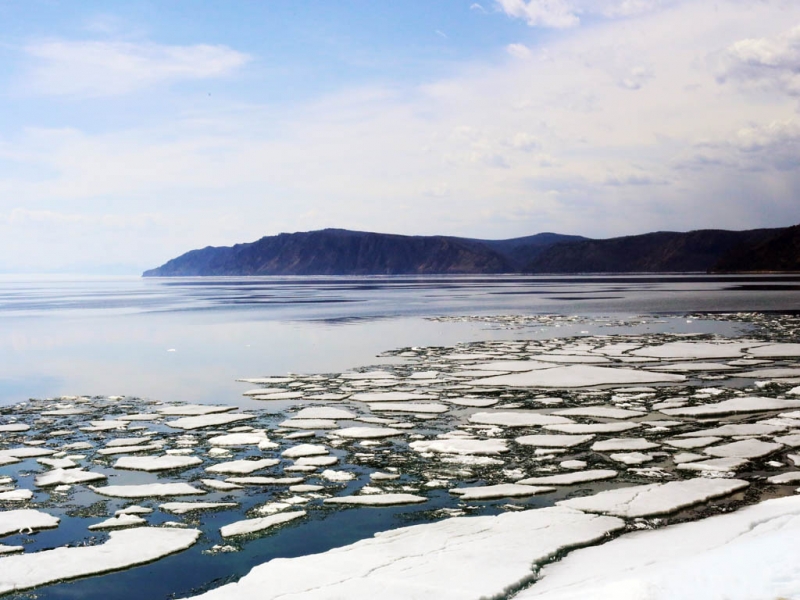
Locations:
{"points": [[344, 252]]}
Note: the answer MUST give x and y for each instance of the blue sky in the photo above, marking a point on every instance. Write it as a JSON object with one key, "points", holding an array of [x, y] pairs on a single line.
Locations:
{"points": [[133, 131]]}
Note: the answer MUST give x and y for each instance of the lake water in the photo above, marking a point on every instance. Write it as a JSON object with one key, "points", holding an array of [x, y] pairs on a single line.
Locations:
{"points": [[188, 340]]}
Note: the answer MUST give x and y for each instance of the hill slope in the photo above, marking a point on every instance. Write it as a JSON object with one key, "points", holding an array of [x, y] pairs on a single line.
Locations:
{"points": [[662, 251], [339, 252], [779, 252], [342, 252]]}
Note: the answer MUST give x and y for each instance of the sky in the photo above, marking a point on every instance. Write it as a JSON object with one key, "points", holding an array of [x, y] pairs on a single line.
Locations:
{"points": [[131, 132]]}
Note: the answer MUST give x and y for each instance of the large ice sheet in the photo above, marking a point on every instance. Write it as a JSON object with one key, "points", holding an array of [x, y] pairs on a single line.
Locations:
{"points": [[460, 446], [25, 452], [25, 519], [377, 499], [181, 508], [66, 477], [578, 376], [583, 428], [324, 412], [157, 463], [248, 526], [455, 559], [243, 466], [696, 350], [655, 498], [213, 420], [193, 410], [390, 397], [751, 554], [603, 412], [148, 490], [571, 478], [616, 444], [122, 550], [501, 490], [776, 350], [715, 465], [732, 406], [743, 449], [366, 433], [517, 419], [553, 441], [412, 407]]}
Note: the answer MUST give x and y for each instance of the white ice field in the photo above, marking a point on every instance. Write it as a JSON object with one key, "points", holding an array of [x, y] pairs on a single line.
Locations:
{"points": [[625, 466]]}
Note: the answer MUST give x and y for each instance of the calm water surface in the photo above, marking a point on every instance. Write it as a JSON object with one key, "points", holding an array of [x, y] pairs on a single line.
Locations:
{"points": [[188, 339]]}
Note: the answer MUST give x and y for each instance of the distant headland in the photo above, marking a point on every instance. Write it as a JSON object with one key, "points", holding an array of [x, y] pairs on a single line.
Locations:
{"points": [[344, 252]]}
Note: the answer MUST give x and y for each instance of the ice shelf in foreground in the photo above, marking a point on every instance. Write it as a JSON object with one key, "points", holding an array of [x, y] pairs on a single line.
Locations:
{"points": [[751, 554], [454, 559], [123, 549]]}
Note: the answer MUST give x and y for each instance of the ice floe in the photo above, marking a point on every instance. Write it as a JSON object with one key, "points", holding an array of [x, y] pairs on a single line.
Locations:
{"points": [[583, 428], [181, 508], [553, 441], [377, 499], [578, 376], [461, 446], [570, 478], [502, 490], [66, 477], [623, 444], [148, 490], [250, 526], [655, 498], [366, 433], [743, 449], [243, 466], [517, 419], [715, 465], [603, 412], [157, 463], [122, 550], [732, 406], [25, 519], [208, 420], [119, 521]]}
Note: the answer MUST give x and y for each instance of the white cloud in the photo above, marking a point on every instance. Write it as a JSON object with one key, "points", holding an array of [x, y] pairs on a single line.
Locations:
{"points": [[524, 141], [774, 146], [520, 51], [635, 78], [556, 14], [562, 14], [628, 8], [771, 62], [97, 68]]}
